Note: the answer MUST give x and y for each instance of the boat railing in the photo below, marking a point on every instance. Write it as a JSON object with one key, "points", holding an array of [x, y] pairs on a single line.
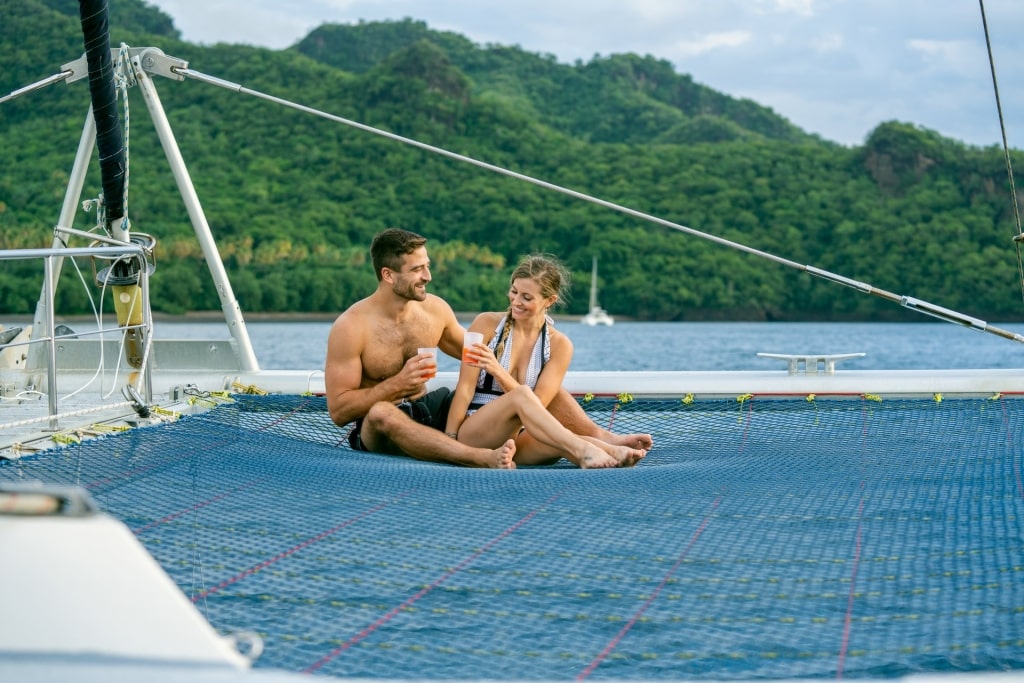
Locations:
{"points": [[47, 338]]}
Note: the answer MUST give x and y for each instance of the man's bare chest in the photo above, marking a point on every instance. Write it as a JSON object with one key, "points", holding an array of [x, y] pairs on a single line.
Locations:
{"points": [[389, 346]]}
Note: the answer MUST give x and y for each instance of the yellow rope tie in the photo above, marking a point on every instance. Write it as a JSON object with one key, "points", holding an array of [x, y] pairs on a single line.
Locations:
{"points": [[872, 397], [937, 397], [99, 428], [625, 398], [66, 438], [164, 412], [212, 399], [250, 389], [741, 399], [994, 397], [588, 397], [810, 399], [687, 400]]}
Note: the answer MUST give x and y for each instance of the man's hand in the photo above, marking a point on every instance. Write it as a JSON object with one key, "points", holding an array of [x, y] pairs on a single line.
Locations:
{"points": [[411, 381]]}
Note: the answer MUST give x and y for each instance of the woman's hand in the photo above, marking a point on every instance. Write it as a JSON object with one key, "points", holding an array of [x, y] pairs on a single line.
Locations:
{"points": [[483, 357], [480, 356]]}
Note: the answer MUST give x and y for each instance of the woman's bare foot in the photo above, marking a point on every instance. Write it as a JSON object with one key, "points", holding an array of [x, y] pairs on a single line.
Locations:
{"points": [[502, 457], [626, 456], [595, 458], [642, 442]]}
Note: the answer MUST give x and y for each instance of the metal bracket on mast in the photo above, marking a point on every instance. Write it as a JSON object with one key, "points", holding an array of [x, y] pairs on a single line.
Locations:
{"points": [[151, 59]]}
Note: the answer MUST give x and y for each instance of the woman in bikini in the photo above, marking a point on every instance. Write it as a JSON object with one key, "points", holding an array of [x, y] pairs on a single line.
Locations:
{"points": [[506, 381]]}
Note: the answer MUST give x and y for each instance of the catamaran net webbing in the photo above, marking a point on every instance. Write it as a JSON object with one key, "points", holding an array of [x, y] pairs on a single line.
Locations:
{"points": [[762, 538]]}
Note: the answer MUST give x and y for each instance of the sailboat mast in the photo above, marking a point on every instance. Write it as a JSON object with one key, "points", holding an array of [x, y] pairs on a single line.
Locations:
{"points": [[593, 284]]}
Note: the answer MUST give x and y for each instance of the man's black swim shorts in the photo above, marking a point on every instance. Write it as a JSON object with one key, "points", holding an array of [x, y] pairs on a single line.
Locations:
{"points": [[431, 410]]}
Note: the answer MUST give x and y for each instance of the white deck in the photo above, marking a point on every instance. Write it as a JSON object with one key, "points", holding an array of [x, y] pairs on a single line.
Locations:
{"points": [[724, 384], [25, 426]]}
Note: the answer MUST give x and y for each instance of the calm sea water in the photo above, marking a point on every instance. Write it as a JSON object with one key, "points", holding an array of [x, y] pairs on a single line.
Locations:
{"points": [[684, 346]]}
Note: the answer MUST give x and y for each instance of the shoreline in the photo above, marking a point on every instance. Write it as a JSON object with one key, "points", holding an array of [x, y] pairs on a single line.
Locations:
{"points": [[218, 316], [464, 317]]}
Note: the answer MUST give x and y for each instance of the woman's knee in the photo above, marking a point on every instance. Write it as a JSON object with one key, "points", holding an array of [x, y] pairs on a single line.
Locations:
{"points": [[523, 393]]}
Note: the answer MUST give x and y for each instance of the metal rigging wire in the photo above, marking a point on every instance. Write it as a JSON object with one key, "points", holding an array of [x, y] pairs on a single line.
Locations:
{"points": [[1019, 237], [906, 301], [38, 85]]}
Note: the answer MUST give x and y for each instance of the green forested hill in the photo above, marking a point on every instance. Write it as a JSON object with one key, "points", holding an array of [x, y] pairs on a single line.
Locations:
{"points": [[293, 199], [621, 98]]}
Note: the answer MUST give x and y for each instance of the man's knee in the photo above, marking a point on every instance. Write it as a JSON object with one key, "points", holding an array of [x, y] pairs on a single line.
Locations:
{"points": [[379, 426], [381, 416]]}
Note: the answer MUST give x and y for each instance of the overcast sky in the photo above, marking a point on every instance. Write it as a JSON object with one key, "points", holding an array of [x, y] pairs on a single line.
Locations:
{"points": [[837, 68]]}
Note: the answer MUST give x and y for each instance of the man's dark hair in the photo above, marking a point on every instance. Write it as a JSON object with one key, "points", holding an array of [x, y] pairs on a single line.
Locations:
{"points": [[389, 246]]}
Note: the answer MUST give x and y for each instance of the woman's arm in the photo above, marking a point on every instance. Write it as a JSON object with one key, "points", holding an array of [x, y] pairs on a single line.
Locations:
{"points": [[468, 375], [549, 384]]}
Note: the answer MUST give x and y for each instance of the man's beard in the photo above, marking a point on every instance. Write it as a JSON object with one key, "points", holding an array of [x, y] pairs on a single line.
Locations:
{"points": [[409, 291]]}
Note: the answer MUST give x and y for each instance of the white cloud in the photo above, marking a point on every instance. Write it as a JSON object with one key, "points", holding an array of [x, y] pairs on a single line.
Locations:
{"points": [[799, 7], [956, 56], [655, 10], [829, 42], [234, 21], [712, 41]]}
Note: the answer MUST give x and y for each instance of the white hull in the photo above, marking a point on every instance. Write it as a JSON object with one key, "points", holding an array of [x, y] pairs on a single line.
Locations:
{"points": [[597, 316]]}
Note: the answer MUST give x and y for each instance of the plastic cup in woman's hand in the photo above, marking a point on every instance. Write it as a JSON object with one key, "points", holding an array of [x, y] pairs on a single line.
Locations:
{"points": [[470, 339]]}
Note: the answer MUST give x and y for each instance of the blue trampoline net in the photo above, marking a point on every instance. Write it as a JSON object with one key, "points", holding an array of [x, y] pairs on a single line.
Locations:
{"points": [[761, 538]]}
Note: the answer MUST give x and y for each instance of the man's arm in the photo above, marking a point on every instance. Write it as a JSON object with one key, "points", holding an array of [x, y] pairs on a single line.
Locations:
{"points": [[452, 334], [347, 398]]}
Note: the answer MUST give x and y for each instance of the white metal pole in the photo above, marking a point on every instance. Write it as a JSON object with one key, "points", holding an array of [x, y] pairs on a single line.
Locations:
{"points": [[72, 197], [232, 311]]}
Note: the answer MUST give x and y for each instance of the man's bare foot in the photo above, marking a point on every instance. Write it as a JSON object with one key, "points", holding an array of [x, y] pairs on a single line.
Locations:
{"points": [[596, 458], [642, 442]]}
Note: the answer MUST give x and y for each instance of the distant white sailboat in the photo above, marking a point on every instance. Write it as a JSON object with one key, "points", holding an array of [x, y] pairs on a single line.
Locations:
{"points": [[597, 315]]}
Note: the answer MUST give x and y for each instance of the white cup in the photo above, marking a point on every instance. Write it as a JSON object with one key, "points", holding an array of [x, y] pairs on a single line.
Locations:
{"points": [[432, 350], [471, 338]]}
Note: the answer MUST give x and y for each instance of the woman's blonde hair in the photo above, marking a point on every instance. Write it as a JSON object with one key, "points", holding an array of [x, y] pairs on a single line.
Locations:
{"points": [[549, 273]]}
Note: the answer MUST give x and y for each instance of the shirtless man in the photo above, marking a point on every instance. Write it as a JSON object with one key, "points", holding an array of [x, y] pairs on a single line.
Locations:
{"points": [[375, 377]]}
